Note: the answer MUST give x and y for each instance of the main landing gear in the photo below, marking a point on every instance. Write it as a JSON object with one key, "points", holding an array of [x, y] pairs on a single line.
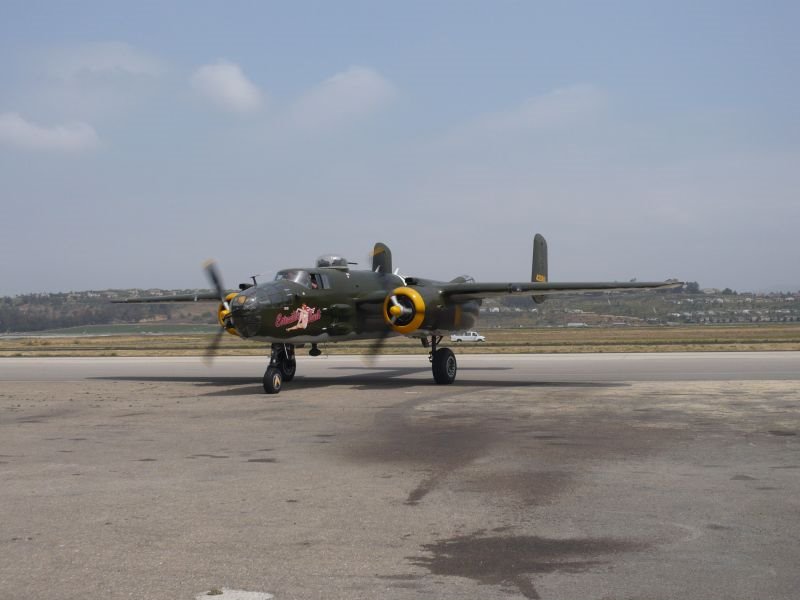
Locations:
{"points": [[282, 367], [443, 361]]}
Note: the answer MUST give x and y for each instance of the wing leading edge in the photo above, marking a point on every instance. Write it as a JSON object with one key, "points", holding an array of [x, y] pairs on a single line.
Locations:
{"points": [[198, 297], [464, 292]]}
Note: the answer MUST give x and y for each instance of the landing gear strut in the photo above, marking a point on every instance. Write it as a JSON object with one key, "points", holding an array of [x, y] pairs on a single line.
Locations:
{"points": [[443, 361], [282, 367]]}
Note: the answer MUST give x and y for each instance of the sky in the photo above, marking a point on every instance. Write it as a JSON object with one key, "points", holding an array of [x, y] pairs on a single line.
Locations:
{"points": [[646, 140]]}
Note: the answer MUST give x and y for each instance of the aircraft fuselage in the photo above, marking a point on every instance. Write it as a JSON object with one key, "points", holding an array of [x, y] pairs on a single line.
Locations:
{"points": [[340, 306]]}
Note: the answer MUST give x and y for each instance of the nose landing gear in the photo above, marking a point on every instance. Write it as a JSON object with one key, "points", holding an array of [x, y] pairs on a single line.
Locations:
{"points": [[282, 367]]}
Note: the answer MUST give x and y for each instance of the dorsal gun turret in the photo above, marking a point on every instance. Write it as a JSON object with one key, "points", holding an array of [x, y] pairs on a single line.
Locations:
{"points": [[332, 261]]}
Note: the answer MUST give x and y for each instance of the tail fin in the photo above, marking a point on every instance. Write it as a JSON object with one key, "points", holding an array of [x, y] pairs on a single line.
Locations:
{"points": [[539, 266], [382, 258]]}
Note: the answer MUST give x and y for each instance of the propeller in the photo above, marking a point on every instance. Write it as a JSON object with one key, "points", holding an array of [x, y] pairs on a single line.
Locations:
{"points": [[400, 311], [212, 272]]}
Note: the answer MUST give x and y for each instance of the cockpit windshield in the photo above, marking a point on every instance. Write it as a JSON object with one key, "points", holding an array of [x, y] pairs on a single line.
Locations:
{"points": [[295, 275]]}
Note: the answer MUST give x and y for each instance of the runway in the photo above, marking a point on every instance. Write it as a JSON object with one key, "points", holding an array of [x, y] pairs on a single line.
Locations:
{"points": [[533, 476], [480, 368]]}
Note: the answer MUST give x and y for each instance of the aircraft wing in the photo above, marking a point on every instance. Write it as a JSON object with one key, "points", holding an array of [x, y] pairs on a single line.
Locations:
{"points": [[463, 292], [198, 297]]}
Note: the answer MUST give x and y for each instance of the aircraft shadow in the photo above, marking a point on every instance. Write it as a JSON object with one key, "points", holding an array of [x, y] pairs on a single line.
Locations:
{"points": [[377, 380], [425, 369], [366, 382]]}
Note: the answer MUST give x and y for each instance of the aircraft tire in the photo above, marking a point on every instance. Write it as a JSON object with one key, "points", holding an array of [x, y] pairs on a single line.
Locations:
{"points": [[288, 369], [444, 366], [273, 380]]}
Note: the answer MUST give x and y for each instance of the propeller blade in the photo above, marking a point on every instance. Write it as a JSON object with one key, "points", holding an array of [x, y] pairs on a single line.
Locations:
{"points": [[216, 281], [213, 347], [375, 349]]}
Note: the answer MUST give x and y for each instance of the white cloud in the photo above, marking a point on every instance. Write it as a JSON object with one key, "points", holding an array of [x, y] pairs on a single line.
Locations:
{"points": [[226, 85], [557, 108], [95, 80], [16, 131], [354, 92], [101, 59]]}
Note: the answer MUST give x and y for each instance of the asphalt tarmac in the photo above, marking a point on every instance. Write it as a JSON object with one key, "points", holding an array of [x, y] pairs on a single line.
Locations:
{"points": [[537, 476]]}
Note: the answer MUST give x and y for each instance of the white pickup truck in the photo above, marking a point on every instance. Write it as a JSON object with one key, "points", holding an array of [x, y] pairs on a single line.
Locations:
{"points": [[467, 336]]}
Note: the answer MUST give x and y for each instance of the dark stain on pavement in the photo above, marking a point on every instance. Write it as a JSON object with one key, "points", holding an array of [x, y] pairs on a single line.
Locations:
{"points": [[262, 460], [445, 443], [423, 489], [404, 435], [513, 560], [402, 577], [45, 417], [207, 456]]}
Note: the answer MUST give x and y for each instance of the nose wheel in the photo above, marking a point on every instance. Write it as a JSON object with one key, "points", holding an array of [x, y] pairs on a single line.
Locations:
{"points": [[282, 368], [273, 380]]}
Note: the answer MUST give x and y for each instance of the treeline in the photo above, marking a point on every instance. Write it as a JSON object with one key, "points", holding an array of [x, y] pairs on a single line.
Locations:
{"points": [[38, 312], [632, 307]]}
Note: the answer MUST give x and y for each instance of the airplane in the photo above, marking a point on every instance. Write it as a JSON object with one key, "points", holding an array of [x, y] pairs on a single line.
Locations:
{"points": [[332, 302]]}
